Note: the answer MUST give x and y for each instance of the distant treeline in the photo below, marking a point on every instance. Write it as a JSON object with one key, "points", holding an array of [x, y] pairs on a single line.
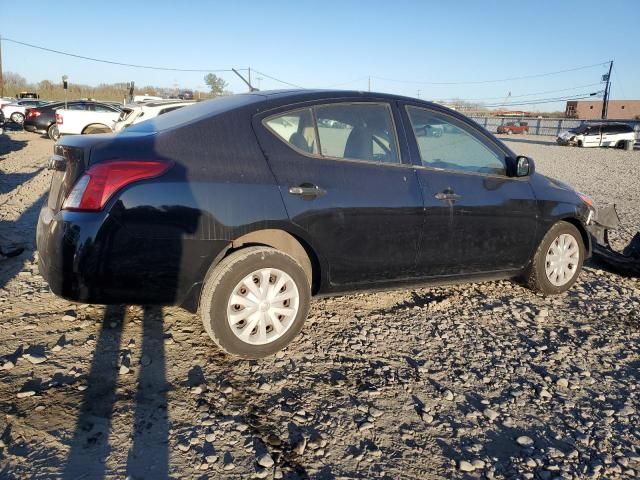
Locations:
{"points": [[48, 90]]}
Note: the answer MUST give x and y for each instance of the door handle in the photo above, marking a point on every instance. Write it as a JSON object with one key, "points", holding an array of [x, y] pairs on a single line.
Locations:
{"points": [[307, 191], [448, 195]]}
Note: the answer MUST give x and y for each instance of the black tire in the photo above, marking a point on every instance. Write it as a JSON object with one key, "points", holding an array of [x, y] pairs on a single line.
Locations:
{"points": [[580, 144], [53, 133], [219, 284], [536, 277], [17, 117]]}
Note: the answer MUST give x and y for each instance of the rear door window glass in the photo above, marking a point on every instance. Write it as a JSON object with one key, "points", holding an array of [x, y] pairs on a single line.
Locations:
{"points": [[295, 128], [358, 131], [76, 106], [447, 143], [103, 108]]}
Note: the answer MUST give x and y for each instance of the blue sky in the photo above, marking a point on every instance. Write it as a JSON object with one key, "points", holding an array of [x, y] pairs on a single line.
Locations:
{"points": [[336, 44]]}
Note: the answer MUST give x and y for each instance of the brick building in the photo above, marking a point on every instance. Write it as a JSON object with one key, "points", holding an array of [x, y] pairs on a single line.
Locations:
{"points": [[592, 110]]}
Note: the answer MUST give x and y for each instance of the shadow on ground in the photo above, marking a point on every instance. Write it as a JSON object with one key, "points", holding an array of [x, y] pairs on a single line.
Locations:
{"points": [[90, 447]]}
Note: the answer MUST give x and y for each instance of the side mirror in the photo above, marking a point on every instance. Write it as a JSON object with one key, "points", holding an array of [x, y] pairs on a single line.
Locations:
{"points": [[524, 166]]}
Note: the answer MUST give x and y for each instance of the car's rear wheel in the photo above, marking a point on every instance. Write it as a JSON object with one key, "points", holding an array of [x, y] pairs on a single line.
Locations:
{"points": [[580, 144], [255, 301], [53, 133], [17, 117], [557, 261]]}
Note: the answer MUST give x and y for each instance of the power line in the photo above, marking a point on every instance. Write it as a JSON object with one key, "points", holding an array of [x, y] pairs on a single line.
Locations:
{"points": [[277, 79], [537, 75], [532, 94], [346, 83], [619, 81], [546, 100], [148, 67]]}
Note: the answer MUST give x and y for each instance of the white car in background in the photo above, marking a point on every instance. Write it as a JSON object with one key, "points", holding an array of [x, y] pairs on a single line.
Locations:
{"points": [[598, 135], [15, 111], [139, 112], [99, 119]]}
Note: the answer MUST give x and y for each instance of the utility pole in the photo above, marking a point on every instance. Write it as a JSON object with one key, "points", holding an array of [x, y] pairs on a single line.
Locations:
{"points": [[248, 82], [605, 100], [1, 77], [369, 85]]}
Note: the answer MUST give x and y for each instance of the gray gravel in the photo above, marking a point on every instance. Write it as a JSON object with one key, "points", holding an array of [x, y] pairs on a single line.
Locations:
{"points": [[471, 381]]}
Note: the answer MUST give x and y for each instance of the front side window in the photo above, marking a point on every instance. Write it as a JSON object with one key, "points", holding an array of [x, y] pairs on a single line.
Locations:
{"points": [[357, 131], [448, 144], [295, 128]]}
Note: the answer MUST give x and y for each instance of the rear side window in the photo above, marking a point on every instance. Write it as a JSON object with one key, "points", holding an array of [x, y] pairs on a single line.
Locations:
{"points": [[354, 131], [296, 128], [357, 132], [76, 106], [103, 108], [446, 143]]}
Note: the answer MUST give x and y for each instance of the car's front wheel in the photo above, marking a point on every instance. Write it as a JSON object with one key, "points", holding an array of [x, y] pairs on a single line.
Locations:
{"points": [[557, 261], [255, 301]]}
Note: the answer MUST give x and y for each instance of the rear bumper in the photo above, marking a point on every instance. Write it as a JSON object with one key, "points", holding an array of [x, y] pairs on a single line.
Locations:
{"points": [[91, 258]]}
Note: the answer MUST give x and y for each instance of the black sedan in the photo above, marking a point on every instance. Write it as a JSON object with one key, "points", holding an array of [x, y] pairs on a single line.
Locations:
{"points": [[244, 207]]}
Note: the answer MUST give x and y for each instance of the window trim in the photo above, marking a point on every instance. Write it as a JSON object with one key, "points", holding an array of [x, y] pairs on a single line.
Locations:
{"points": [[319, 155], [493, 148]]}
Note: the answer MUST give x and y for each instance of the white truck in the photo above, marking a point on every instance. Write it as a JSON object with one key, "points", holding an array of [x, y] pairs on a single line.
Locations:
{"points": [[99, 118]]}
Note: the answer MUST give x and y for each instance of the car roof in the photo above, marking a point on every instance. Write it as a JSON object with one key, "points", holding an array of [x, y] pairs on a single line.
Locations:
{"points": [[264, 101]]}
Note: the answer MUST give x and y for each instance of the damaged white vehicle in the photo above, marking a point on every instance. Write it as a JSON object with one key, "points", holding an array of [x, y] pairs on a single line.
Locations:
{"points": [[598, 135]]}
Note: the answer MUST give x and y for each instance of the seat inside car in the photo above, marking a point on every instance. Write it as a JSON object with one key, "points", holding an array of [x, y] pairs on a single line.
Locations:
{"points": [[359, 144], [297, 139]]}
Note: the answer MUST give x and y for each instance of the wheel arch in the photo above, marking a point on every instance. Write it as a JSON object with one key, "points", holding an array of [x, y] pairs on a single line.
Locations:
{"points": [[276, 238], [287, 243], [586, 238], [94, 125]]}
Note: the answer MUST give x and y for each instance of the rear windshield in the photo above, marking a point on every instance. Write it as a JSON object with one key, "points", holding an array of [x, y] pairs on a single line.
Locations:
{"points": [[195, 112]]}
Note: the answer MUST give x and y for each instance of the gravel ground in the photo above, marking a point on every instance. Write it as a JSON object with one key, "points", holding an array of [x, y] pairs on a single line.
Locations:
{"points": [[472, 381]]}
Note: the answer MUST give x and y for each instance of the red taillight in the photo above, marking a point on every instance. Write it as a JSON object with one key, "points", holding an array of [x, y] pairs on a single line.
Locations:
{"points": [[94, 189], [58, 119], [33, 112]]}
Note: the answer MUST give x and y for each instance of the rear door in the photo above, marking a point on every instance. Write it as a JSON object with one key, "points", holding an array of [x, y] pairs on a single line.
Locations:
{"points": [[346, 182], [477, 218]]}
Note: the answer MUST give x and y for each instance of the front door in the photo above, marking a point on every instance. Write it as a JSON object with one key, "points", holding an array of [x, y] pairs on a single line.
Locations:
{"points": [[491, 218], [592, 137], [340, 171]]}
